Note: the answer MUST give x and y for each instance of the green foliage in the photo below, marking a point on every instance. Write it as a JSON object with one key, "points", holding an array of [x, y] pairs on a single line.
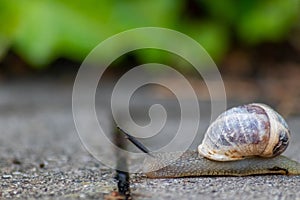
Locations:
{"points": [[255, 21], [41, 31]]}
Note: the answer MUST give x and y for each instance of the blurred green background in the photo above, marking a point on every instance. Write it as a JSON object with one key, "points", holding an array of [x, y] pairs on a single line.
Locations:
{"points": [[42, 31]]}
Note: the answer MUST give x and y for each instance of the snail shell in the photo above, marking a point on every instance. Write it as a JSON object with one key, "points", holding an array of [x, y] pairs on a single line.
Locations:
{"points": [[245, 131]]}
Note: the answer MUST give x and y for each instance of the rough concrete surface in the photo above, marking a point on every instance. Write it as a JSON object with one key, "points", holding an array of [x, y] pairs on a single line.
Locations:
{"points": [[42, 156]]}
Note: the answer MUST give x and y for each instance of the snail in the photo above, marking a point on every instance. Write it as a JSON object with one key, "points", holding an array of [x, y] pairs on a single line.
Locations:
{"points": [[244, 140]]}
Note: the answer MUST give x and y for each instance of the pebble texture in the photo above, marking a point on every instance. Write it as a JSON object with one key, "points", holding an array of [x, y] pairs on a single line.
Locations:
{"points": [[42, 156]]}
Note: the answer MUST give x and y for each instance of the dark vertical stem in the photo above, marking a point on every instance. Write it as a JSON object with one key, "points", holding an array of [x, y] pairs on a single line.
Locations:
{"points": [[122, 176]]}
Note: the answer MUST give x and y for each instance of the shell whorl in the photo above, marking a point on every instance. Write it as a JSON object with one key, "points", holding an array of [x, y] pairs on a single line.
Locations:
{"points": [[245, 131]]}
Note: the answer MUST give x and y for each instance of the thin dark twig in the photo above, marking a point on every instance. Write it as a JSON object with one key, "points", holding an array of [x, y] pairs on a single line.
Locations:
{"points": [[122, 175], [136, 142]]}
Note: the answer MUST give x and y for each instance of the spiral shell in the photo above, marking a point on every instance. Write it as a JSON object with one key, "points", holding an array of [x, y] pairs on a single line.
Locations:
{"points": [[245, 131]]}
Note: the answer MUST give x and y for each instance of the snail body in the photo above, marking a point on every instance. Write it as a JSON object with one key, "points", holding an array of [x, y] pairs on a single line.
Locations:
{"points": [[249, 138], [190, 164]]}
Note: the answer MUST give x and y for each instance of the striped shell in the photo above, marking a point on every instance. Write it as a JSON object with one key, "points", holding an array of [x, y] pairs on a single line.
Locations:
{"points": [[245, 131]]}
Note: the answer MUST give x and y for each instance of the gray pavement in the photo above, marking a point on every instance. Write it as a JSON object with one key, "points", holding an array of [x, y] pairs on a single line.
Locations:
{"points": [[42, 156]]}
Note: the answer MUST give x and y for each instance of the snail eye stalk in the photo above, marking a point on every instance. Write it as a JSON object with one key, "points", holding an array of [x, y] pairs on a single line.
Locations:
{"points": [[136, 142]]}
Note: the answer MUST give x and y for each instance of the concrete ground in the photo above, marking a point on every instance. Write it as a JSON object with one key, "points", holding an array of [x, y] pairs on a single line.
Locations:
{"points": [[42, 156]]}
